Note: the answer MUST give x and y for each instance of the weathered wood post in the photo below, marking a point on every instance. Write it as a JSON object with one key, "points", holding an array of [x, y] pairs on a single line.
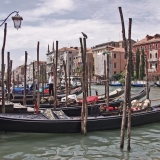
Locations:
{"points": [[69, 81], [126, 83], [38, 95], [129, 86], [25, 69], [8, 75], [90, 66], [84, 110], [105, 83], [42, 67], [34, 83], [147, 87], [3, 68], [55, 77], [86, 79], [66, 82]]}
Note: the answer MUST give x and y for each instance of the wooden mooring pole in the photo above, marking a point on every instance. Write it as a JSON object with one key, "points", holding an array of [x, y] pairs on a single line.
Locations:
{"points": [[55, 77], [34, 83], [84, 110], [38, 95], [8, 75], [129, 85], [126, 84], [25, 69], [107, 82], [66, 82], [3, 68], [147, 87], [90, 71]]}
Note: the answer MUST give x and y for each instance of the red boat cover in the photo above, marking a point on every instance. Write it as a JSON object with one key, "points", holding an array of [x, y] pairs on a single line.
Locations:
{"points": [[46, 91], [90, 99]]}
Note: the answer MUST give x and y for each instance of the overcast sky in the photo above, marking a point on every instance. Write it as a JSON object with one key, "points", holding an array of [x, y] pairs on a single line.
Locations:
{"points": [[64, 20]]}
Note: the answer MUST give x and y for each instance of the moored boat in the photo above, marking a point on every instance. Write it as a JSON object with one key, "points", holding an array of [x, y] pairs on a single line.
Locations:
{"points": [[50, 121]]}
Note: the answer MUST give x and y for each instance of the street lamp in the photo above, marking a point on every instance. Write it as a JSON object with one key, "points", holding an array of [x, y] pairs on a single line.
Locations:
{"points": [[16, 20], [17, 24]]}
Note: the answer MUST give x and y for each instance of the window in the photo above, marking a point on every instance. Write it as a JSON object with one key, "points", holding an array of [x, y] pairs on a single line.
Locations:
{"points": [[150, 55], [114, 55], [156, 47], [156, 65], [156, 55], [114, 65], [145, 47], [150, 65], [114, 72], [150, 47]]}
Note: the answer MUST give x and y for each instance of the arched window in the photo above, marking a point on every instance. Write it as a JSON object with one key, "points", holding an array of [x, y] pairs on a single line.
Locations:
{"points": [[156, 55], [150, 55]]}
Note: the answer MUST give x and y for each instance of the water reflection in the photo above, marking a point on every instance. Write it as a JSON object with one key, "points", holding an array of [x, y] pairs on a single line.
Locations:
{"points": [[145, 142]]}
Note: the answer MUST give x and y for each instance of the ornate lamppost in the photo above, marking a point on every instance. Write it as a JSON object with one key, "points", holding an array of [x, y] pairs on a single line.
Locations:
{"points": [[17, 24]]}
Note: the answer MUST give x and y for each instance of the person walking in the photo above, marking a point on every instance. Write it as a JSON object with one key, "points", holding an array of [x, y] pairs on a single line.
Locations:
{"points": [[51, 82]]}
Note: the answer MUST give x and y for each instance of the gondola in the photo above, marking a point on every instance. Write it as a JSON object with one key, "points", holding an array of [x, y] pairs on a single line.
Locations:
{"points": [[138, 85], [50, 121], [97, 98], [29, 98], [158, 85], [140, 94], [75, 109]]}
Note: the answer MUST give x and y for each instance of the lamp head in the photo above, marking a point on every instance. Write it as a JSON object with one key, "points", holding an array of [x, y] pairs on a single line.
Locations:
{"points": [[17, 21]]}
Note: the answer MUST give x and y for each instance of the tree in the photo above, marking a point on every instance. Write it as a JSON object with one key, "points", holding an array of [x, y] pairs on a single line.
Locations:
{"points": [[78, 70], [132, 67], [142, 69], [137, 63]]}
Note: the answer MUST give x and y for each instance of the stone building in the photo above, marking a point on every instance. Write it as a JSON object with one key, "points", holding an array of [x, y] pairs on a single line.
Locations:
{"points": [[151, 46], [117, 61]]}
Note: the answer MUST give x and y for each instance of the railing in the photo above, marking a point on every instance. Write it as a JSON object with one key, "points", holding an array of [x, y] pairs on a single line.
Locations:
{"points": [[152, 70], [152, 59]]}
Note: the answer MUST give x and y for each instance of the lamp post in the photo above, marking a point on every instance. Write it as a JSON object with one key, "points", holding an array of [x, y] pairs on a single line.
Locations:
{"points": [[17, 24], [16, 20]]}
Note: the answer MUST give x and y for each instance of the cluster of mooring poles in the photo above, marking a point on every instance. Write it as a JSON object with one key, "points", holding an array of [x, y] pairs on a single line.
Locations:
{"points": [[127, 101], [86, 80]]}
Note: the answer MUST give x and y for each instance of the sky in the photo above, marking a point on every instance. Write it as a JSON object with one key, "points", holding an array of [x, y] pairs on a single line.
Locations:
{"points": [[48, 21]]}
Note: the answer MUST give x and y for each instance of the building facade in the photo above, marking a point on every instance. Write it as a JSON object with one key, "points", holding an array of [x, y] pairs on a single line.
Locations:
{"points": [[117, 62], [151, 46]]}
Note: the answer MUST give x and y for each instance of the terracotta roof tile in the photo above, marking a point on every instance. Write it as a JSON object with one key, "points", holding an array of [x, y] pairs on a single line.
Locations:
{"points": [[66, 49]]}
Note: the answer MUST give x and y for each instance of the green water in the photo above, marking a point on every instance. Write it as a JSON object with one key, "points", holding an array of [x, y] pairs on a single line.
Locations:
{"points": [[145, 143]]}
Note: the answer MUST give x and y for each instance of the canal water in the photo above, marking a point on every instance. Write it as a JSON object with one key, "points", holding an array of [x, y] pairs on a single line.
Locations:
{"points": [[145, 143]]}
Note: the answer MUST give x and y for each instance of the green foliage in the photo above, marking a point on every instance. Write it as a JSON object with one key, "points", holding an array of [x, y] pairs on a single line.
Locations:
{"points": [[142, 65], [137, 63], [78, 70], [132, 67]]}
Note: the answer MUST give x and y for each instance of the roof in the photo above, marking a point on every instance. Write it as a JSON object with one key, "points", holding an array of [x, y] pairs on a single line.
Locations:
{"points": [[89, 50], [148, 39], [66, 49], [118, 49]]}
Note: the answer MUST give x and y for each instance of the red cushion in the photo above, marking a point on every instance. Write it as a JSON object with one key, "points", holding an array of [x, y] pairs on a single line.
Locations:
{"points": [[90, 99]]}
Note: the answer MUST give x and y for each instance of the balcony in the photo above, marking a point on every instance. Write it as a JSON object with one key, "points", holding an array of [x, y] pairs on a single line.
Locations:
{"points": [[152, 70], [152, 59]]}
